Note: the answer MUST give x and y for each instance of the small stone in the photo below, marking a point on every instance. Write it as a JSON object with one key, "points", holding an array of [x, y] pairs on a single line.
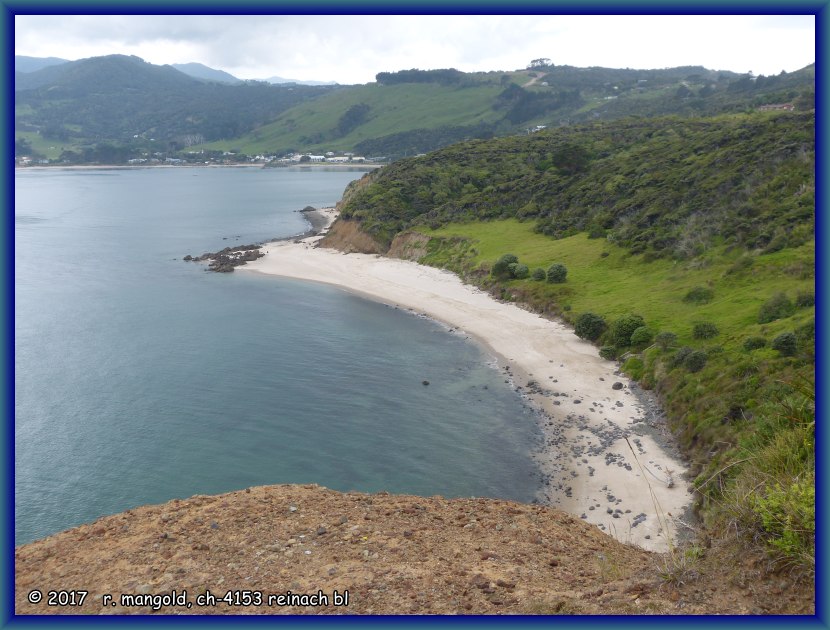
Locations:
{"points": [[424, 383], [617, 385]]}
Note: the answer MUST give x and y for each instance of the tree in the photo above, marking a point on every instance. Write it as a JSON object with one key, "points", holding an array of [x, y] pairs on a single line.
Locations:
{"points": [[589, 326], [786, 343], [623, 328], [541, 62], [557, 273]]}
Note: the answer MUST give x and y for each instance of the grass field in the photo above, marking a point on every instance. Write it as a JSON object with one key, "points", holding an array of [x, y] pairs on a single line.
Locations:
{"points": [[621, 283], [394, 109]]}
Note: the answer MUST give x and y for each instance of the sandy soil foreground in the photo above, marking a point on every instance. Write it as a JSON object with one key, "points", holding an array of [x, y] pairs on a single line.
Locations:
{"points": [[591, 467], [240, 553]]}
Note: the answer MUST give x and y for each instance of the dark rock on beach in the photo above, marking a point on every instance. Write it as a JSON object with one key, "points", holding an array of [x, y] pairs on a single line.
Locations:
{"points": [[226, 259]]}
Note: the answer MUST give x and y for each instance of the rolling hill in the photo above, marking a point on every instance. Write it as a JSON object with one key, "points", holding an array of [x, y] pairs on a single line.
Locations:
{"points": [[124, 102]]}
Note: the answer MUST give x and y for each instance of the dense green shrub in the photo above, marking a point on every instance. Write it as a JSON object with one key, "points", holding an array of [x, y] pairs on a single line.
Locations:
{"points": [[786, 343], [680, 356], [704, 330], [557, 273], [665, 340], [623, 328], [501, 268], [699, 295], [695, 361], [753, 343], [805, 298], [778, 306], [538, 274], [642, 337], [608, 352], [520, 271], [589, 326]]}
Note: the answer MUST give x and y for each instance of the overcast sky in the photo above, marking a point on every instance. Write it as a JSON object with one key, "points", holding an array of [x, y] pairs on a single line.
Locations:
{"points": [[352, 49]]}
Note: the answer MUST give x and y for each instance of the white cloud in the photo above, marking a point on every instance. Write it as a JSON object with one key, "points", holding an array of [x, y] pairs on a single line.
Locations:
{"points": [[352, 49]]}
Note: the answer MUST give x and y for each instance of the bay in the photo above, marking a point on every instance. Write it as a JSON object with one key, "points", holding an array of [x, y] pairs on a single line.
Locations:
{"points": [[140, 378]]}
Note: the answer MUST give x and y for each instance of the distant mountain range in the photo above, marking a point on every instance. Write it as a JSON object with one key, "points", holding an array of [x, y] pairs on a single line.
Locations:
{"points": [[201, 71], [26, 64], [31, 64], [124, 102]]}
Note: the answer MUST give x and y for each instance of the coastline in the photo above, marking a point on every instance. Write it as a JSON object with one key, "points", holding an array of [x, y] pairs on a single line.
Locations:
{"points": [[590, 468], [110, 167]]}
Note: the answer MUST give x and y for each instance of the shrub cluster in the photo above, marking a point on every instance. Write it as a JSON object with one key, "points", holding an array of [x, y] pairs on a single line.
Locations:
{"points": [[589, 326], [805, 298], [704, 330], [508, 267], [695, 361], [786, 343], [623, 328], [778, 306], [753, 343], [518, 270], [557, 273], [538, 274], [699, 295], [501, 268]]}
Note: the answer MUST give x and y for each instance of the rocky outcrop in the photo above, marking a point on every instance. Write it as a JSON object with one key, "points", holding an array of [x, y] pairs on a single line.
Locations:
{"points": [[226, 259]]}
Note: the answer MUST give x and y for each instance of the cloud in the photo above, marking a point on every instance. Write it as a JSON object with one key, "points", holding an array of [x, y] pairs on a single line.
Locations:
{"points": [[353, 48]]}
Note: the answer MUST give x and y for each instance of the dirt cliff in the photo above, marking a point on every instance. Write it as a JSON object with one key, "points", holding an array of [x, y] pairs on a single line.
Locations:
{"points": [[393, 554]]}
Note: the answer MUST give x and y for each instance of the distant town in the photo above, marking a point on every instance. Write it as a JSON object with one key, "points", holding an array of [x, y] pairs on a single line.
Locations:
{"points": [[220, 158]]}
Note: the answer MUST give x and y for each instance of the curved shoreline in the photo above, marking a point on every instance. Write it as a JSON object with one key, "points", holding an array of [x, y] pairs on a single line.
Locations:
{"points": [[591, 467]]}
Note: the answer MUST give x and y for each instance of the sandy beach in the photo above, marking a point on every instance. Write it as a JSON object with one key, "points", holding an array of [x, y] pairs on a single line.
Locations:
{"points": [[588, 408]]}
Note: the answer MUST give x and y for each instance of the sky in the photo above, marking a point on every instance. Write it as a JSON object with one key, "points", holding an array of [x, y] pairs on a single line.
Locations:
{"points": [[351, 49]]}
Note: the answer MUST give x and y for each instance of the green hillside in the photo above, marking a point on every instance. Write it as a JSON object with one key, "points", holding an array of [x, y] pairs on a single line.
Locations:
{"points": [[413, 111], [689, 254], [116, 107], [131, 105], [393, 109]]}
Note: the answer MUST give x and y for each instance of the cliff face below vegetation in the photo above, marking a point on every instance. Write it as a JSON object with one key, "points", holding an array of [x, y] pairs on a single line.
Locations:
{"points": [[350, 239], [394, 554]]}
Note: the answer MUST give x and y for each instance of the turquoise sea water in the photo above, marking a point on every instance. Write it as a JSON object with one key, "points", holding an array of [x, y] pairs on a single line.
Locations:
{"points": [[140, 378]]}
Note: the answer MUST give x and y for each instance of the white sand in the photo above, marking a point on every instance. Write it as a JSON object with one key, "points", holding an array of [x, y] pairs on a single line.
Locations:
{"points": [[588, 460]]}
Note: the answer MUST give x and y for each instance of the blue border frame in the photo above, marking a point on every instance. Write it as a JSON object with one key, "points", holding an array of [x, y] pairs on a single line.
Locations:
{"points": [[9, 8]]}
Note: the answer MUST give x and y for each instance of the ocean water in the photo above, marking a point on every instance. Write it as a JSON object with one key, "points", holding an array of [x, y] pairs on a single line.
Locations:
{"points": [[140, 378]]}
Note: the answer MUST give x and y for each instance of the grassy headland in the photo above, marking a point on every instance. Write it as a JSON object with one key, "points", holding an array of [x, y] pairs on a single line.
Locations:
{"points": [[704, 228]]}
